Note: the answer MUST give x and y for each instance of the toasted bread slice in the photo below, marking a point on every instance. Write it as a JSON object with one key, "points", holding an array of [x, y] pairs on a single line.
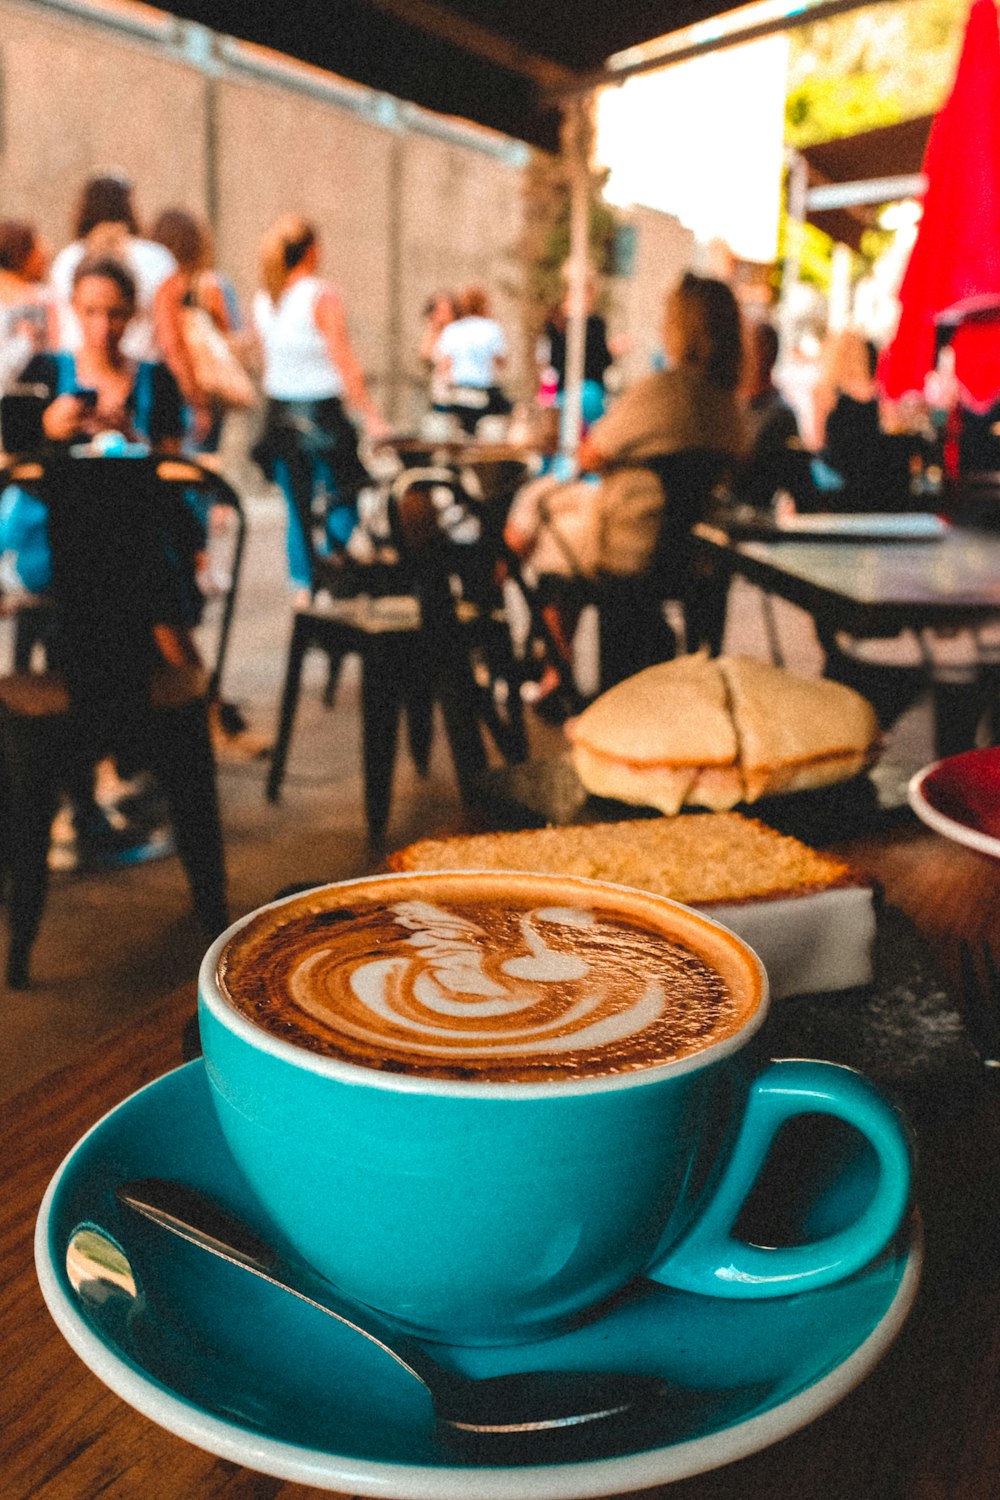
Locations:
{"points": [[697, 858], [810, 919]]}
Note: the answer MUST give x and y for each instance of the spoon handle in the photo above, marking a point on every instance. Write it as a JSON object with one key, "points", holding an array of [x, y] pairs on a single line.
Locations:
{"points": [[195, 1217]]}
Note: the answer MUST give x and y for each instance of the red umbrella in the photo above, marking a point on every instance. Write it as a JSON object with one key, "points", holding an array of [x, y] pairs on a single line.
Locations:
{"points": [[955, 262]]}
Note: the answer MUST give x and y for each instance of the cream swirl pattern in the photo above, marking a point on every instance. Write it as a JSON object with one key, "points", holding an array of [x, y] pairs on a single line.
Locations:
{"points": [[447, 968], [493, 989]]}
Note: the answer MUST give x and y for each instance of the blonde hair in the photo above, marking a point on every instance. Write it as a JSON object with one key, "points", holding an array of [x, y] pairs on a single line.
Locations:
{"points": [[282, 249]]}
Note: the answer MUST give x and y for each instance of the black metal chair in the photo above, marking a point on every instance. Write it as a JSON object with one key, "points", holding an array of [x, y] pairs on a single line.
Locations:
{"points": [[634, 631], [122, 676], [453, 549], [440, 638]]}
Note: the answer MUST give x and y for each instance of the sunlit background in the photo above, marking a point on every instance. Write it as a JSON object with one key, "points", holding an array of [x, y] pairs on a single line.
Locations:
{"points": [[703, 140]]}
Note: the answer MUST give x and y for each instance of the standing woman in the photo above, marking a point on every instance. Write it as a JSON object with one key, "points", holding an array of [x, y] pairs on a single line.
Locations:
{"points": [[309, 367], [193, 285], [106, 224]]}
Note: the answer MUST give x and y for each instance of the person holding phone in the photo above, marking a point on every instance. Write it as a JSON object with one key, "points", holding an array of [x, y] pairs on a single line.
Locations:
{"points": [[101, 390]]}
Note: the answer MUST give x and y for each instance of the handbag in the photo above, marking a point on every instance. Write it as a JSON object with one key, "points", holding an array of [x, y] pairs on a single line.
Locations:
{"points": [[216, 368]]}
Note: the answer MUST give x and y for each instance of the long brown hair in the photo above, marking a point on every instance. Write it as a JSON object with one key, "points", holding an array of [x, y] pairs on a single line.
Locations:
{"points": [[17, 241], [187, 239], [282, 249], [708, 319], [106, 199]]}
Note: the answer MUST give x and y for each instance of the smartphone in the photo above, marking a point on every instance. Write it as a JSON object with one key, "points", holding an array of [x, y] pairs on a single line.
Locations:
{"points": [[87, 395]]}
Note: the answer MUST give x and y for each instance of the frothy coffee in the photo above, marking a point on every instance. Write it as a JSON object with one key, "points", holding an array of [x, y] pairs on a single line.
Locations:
{"points": [[465, 977]]}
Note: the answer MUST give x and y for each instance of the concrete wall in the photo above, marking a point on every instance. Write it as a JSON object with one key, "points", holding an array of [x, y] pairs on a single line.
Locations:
{"points": [[405, 203], [664, 250]]}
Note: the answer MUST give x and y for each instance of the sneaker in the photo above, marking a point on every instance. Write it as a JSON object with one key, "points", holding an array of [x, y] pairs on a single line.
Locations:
{"points": [[101, 845]]}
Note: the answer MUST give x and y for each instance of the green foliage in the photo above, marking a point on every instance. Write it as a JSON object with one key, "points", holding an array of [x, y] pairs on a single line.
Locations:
{"points": [[871, 67], [875, 242], [815, 250], [823, 108], [544, 247]]}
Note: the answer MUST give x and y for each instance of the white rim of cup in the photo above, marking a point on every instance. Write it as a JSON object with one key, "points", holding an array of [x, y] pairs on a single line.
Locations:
{"points": [[210, 994]]}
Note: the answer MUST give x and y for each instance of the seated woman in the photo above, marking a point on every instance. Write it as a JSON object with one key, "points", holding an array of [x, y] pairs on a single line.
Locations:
{"points": [[96, 390], [469, 358], [100, 390], [873, 464], [609, 524], [777, 459]]}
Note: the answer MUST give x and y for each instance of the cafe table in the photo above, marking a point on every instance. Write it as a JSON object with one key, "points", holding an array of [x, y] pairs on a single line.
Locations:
{"points": [[924, 1424], [870, 587]]}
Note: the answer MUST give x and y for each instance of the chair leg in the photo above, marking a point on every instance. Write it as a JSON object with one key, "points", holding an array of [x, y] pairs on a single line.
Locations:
{"points": [[633, 631], [502, 714], [184, 764], [32, 750], [332, 678], [456, 692], [419, 720], [958, 709], [289, 703], [384, 671], [706, 597]]}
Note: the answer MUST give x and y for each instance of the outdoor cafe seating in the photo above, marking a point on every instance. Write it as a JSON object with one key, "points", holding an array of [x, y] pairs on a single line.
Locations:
{"points": [[906, 1030]]}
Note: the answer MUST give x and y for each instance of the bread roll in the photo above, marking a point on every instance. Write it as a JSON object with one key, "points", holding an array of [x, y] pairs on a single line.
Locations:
{"points": [[713, 732], [795, 732]]}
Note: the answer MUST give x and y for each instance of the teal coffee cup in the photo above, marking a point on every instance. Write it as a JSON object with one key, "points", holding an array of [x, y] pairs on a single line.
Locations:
{"points": [[485, 1102]]}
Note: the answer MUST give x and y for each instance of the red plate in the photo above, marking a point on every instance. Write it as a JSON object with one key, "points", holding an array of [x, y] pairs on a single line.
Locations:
{"points": [[960, 797]]}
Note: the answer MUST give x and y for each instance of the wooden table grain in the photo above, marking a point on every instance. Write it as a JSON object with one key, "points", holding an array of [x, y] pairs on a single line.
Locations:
{"points": [[925, 1425]]}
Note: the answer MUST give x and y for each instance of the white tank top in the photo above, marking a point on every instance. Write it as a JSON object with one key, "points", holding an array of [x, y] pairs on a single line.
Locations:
{"points": [[297, 363]]}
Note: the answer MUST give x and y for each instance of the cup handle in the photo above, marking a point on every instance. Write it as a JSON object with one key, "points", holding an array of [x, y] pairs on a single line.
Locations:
{"points": [[710, 1261]]}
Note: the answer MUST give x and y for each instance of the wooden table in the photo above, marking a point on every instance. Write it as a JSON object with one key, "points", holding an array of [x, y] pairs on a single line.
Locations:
{"points": [[924, 1426]]}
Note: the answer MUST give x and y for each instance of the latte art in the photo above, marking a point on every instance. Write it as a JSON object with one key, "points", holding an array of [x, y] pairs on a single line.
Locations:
{"points": [[493, 989], [447, 992]]}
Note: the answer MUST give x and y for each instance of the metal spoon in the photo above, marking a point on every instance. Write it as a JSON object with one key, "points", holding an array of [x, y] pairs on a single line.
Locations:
{"points": [[518, 1406]]}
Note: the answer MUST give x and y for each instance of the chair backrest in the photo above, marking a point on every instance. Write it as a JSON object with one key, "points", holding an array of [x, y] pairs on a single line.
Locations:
{"points": [[786, 467], [443, 533], [689, 479], [122, 543]]}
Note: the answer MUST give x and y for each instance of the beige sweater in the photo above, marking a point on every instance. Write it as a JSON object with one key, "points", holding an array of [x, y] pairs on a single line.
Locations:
{"points": [[612, 526]]}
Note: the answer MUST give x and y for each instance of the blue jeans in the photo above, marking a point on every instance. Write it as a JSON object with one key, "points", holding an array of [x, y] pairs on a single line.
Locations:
{"points": [[340, 522]]}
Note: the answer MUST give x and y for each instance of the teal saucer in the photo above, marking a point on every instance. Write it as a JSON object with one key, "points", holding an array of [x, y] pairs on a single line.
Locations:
{"points": [[249, 1374]]}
